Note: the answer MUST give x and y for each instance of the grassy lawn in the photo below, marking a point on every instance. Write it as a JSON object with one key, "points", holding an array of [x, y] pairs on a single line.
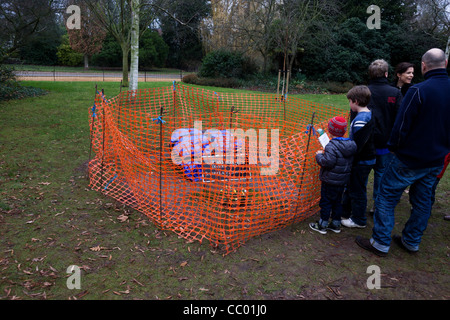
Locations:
{"points": [[50, 220]]}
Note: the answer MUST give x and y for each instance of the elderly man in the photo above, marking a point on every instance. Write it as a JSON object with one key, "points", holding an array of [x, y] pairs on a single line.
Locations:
{"points": [[420, 140]]}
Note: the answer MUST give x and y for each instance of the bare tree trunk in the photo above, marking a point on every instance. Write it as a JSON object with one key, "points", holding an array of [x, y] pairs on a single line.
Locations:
{"points": [[125, 51], [447, 50], [134, 71], [86, 62]]}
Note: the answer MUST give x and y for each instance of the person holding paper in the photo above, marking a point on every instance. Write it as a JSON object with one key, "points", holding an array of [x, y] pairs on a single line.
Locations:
{"points": [[335, 163]]}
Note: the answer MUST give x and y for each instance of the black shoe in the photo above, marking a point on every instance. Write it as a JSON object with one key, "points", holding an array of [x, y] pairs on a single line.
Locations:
{"points": [[334, 228], [317, 227], [398, 240], [447, 217], [365, 244]]}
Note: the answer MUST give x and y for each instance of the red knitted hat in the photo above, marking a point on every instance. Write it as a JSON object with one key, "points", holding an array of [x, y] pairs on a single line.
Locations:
{"points": [[337, 126]]}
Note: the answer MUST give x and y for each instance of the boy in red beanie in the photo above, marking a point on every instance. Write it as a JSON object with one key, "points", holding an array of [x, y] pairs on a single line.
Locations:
{"points": [[336, 163]]}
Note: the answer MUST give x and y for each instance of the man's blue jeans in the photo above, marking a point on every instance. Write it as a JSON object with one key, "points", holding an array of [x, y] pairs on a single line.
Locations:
{"points": [[395, 180], [378, 171]]}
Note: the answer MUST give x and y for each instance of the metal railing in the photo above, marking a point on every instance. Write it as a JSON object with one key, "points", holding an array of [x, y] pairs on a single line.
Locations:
{"points": [[106, 74]]}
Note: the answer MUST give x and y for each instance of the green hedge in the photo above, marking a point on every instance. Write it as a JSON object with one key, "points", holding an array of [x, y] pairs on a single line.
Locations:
{"points": [[211, 82], [222, 64]]}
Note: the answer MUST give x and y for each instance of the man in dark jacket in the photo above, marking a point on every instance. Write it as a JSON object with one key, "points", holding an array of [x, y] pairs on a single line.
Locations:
{"points": [[384, 104], [336, 163], [420, 141]]}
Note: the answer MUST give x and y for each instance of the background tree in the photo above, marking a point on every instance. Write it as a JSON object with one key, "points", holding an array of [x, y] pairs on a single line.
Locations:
{"points": [[89, 38], [21, 20], [153, 51], [41, 47], [220, 30], [134, 45], [353, 47], [349, 54], [110, 55], [183, 38], [392, 11], [30, 30], [115, 18], [447, 49], [256, 28], [296, 17], [434, 20]]}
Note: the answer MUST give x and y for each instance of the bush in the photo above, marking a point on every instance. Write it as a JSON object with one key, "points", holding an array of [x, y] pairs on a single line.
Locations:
{"points": [[11, 89], [110, 55], [68, 57], [226, 64], [40, 50], [212, 82], [337, 87], [6, 74], [153, 51], [190, 78], [263, 82]]}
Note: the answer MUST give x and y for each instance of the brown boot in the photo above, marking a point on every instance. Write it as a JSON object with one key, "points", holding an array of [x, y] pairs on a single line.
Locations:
{"points": [[365, 244]]}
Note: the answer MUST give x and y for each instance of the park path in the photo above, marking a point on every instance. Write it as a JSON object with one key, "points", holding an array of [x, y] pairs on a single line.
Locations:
{"points": [[91, 76]]}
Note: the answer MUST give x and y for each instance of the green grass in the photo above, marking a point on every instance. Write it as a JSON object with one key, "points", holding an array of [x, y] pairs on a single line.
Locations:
{"points": [[50, 219]]}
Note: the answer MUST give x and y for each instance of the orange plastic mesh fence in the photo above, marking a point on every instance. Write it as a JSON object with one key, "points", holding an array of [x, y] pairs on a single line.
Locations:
{"points": [[218, 167]]}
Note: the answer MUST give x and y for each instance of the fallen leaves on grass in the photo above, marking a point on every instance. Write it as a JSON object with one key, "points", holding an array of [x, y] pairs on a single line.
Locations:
{"points": [[122, 218], [138, 282], [14, 211], [98, 248]]}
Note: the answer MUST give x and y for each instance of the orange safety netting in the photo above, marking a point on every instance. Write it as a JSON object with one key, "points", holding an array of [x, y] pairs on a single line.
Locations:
{"points": [[218, 167]]}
